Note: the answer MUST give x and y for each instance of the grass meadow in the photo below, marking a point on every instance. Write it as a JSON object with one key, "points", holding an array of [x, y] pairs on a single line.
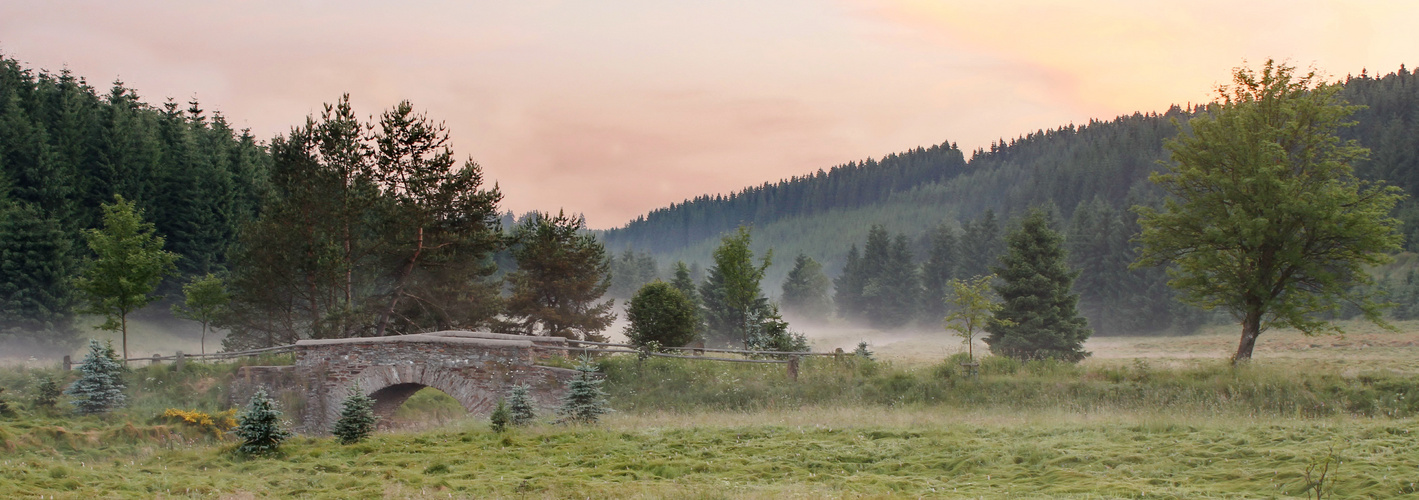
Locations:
{"points": [[1156, 417]]}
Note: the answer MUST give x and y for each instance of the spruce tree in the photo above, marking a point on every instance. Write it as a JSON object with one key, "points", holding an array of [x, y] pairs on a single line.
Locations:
{"points": [[848, 286], [100, 384], [584, 402], [259, 427], [940, 268], [47, 392], [1039, 317], [357, 418], [980, 246], [500, 418], [805, 291], [521, 410]]}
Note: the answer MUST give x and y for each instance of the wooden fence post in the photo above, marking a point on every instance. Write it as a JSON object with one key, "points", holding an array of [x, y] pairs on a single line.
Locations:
{"points": [[68, 363], [793, 368], [156, 359], [177, 361]]}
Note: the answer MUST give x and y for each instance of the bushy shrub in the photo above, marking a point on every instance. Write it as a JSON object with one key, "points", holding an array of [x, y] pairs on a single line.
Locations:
{"points": [[662, 314], [216, 425]]}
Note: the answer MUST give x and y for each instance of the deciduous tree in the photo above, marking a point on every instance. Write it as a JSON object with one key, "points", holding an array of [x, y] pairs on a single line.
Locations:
{"points": [[129, 262], [1266, 218]]}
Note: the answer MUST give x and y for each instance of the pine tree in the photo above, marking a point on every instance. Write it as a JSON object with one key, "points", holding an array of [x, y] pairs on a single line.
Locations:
{"points": [[561, 273], [260, 427], [848, 287], [980, 246], [521, 410], [862, 350], [1039, 317], [499, 419], [100, 385], [47, 392], [805, 291], [584, 402], [940, 268], [357, 418]]}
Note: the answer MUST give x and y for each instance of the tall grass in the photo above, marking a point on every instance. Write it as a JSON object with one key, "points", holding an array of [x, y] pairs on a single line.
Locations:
{"points": [[688, 386]]}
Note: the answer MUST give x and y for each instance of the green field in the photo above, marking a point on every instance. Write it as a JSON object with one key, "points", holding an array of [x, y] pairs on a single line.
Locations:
{"points": [[1143, 418]]}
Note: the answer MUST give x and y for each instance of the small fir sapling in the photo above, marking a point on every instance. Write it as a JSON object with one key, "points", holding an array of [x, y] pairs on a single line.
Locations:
{"points": [[357, 418], [47, 392], [100, 384], [500, 418], [260, 426], [862, 351], [520, 408], [584, 402]]}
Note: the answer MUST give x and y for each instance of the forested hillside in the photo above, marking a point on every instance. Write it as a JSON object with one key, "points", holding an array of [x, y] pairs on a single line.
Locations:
{"points": [[66, 148], [1101, 166]]}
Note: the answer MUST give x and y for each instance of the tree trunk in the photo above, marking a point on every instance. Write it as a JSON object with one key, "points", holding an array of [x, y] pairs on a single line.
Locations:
{"points": [[123, 318], [399, 285], [1251, 328]]}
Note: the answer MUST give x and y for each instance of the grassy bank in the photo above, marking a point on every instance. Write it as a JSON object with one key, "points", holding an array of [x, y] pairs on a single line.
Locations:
{"points": [[866, 453]]}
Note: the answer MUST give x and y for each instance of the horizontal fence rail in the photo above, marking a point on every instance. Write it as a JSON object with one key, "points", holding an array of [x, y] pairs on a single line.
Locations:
{"points": [[586, 346]]}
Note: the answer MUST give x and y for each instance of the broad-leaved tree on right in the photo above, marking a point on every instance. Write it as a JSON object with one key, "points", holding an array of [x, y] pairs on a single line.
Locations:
{"points": [[1266, 218]]}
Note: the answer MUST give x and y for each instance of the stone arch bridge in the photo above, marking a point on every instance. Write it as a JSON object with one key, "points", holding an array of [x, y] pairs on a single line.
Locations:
{"points": [[475, 368]]}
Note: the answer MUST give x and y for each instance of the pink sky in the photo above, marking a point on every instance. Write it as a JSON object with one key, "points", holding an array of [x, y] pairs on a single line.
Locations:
{"points": [[615, 108]]}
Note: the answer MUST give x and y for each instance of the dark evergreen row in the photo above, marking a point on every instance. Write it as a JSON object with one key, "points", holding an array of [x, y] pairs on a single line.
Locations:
{"points": [[855, 184], [65, 149]]}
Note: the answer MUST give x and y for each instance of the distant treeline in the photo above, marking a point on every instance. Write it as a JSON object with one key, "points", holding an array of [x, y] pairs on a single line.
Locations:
{"points": [[1090, 175]]}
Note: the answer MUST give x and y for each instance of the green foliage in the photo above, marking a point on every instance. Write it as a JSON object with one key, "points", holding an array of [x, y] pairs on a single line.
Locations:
{"points": [[371, 229], [5, 410], [129, 262], [500, 418], [67, 149], [862, 351], [205, 298], [46, 392], [36, 262], [942, 263], [805, 291], [584, 401], [561, 273], [260, 427], [731, 291], [100, 385], [972, 306], [357, 419], [630, 271], [660, 313], [521, 410], [684, 281], [882, 287], [1267, 219], [769, 332], [981, 245], [1038, 318]]}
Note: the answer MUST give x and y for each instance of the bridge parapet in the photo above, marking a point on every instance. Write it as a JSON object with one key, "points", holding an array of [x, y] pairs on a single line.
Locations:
{"points": [[475, 368]]}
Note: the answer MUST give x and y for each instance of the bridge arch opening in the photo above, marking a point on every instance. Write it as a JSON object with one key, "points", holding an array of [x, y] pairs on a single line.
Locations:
{"points": [[416, 406]]}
